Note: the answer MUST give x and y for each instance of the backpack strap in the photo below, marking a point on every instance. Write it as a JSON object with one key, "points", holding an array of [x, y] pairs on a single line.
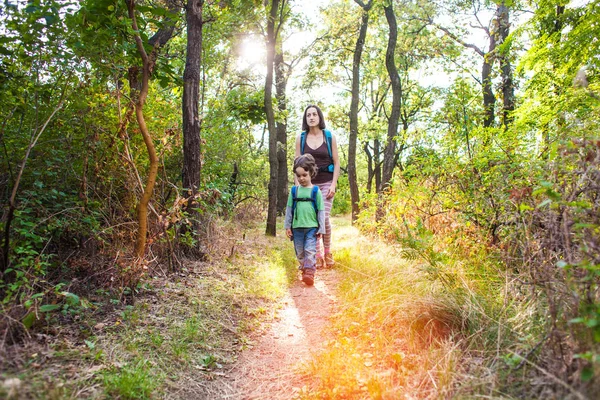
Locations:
{"points": [[329, 141], [294, 200], [302, 141], [313, 199], [313, 196]]}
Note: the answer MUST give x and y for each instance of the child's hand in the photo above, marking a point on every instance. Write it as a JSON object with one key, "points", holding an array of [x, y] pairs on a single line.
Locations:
{"points": [[288, 232], [319, 235]]}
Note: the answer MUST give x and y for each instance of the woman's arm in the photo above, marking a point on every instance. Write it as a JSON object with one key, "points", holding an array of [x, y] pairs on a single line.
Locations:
{"points": [[297, 154], [336, 167]]}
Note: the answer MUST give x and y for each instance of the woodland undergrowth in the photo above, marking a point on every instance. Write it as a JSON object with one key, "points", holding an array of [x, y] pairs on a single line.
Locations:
{"points": [[163, 337], [505, 276]]}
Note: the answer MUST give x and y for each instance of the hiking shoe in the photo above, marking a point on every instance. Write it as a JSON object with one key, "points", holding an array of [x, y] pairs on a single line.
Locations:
{"points": [[320, 262], [308, 277], [329, 260]]}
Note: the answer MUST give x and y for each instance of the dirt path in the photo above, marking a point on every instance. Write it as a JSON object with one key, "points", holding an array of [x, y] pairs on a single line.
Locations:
{"points": [[267, 371]]}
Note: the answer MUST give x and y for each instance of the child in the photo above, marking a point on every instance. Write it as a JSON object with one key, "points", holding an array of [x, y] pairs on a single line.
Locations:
{"points": [[305, 216]]}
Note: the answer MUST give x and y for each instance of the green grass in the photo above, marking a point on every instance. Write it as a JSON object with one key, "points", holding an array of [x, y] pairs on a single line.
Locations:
{"points": [[404, 330], [180, 328], [136, 380]]}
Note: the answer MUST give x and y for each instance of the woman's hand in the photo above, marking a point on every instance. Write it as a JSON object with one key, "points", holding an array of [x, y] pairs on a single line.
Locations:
{"points": [[331, 192]]}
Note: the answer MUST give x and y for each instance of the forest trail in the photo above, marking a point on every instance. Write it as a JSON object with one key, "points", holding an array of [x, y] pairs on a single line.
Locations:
{"points": [[267, 371], [296, 333]]}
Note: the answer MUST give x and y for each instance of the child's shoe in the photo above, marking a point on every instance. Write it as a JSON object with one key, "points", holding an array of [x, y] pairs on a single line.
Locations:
{"points": [[308, 276], [320, 262], [329, 260]]}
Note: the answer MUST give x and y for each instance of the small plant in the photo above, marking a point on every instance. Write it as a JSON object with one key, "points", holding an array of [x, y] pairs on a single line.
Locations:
{"points": [[135, 380]]}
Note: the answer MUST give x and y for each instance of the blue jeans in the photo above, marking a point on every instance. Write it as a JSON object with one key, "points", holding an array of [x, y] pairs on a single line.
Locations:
{"points": [[305, 245]]}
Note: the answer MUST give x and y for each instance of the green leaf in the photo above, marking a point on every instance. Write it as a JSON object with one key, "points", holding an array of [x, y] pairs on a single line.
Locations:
{"points": [[587, 373], [50, 19], [29, 319], [591, 323], [31, 8], [72, 299], [544, 203], [50, 307], [525, 207]]}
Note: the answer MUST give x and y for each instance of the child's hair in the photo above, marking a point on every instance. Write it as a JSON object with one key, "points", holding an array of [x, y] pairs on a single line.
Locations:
{"points": [[306, 162]]}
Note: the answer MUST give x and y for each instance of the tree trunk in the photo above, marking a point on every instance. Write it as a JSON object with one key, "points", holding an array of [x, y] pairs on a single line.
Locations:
{"points": [[281, 79], [139, 100], [508, 90], [271, 228], [370, 174], [389, 153], [191, 97], [192, 155], [360, 43], [377, 170], [489, 100]]}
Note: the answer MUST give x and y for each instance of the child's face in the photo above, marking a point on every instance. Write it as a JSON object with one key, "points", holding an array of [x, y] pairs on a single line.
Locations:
{"points": [[303, 176]]}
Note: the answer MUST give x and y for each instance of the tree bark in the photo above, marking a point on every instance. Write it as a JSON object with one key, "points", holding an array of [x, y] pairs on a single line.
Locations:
{"points": [[377, 169], [373, 166], [360, 43], [139, 100], [489, 100], [389, 153], [281, 78], [192, 163], [508, 90], [271, 228]]}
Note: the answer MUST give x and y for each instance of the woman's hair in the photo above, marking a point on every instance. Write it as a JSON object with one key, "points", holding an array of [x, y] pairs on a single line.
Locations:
{"points": [[321, 118], [307, 163]]}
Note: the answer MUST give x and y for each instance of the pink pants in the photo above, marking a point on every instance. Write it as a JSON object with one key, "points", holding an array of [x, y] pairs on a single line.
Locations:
{"points": [[327, 236]]}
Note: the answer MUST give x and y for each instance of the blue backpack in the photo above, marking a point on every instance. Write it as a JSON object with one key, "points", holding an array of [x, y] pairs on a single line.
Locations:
{"points": [[313, 198], [328, 140]]}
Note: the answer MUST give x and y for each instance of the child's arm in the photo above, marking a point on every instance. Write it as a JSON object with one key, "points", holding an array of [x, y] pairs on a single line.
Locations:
{"points": [[321, 217], [320, 212], [287, 222]]}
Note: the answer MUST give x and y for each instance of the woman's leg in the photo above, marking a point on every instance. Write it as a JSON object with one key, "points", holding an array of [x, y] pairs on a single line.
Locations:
{"points": [[327, 236]]}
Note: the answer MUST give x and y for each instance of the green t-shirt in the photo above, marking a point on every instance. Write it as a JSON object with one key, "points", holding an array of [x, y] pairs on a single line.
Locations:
{"points": [[305, 215]]}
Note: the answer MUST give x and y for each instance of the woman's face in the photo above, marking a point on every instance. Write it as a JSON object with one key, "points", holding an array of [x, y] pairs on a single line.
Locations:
{"points": [[312, 117]]}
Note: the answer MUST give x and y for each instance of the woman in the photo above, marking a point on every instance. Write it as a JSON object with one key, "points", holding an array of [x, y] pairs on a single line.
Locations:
{"points": [[322, 145]]}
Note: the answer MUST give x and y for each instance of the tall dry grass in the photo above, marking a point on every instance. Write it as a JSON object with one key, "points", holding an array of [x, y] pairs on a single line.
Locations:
{"points": [[404, 332]]}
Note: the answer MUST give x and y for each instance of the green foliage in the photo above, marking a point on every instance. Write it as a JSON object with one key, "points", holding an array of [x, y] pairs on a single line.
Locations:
{"points": [[526, 190], [341, 202], [132, 381]]}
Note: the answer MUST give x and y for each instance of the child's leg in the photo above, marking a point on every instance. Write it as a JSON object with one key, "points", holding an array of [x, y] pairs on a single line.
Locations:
{"points": [[298, 235], [310, 261], [310, 249]]}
